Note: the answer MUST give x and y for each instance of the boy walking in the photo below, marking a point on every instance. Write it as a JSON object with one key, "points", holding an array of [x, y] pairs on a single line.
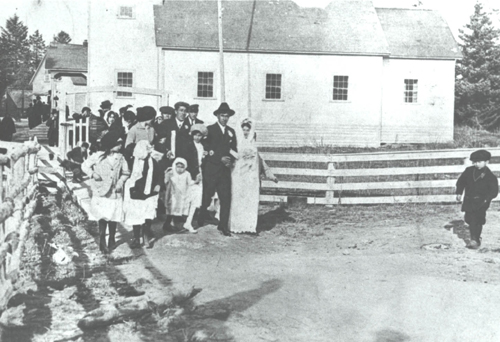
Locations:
{"points": [[481, 187]]}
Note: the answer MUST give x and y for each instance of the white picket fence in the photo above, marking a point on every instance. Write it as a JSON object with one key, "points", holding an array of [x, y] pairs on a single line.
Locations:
{"points": [[332, 171]]}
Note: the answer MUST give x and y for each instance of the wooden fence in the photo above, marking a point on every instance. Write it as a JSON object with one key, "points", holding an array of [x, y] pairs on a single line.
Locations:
{"points": [[342, 184], [18, 188]]}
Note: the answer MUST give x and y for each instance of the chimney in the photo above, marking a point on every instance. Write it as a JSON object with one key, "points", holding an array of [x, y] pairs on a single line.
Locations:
{"points": [[86, 43]]}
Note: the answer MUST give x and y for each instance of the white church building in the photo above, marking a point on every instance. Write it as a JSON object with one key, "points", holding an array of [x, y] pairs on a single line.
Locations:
{"points": [[349, 74]]}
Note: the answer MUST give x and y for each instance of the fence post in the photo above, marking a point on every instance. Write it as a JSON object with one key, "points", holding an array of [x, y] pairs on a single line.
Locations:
{"points": [[330, 181]]}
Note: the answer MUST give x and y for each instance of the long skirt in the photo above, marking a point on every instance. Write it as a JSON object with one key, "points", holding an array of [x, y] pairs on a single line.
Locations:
{"points": [[104, 208], [245, 187], [138, 211]]}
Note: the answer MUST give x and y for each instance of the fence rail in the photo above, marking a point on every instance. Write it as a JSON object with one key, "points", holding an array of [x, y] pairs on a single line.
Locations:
{"points": [[18, 187], [338, 177]]}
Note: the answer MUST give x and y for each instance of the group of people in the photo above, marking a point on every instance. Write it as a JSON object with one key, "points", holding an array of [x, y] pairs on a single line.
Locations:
{"points": [[37, 112], [145, 163]]}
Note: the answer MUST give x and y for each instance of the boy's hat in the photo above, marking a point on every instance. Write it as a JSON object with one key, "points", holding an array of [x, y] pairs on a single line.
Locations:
{"points": [[167, 110], [199, 128], [181, 104], [480, 155], [194, 108]]}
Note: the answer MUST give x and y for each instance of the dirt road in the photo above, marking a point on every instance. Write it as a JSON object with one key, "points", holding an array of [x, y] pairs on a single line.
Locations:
{"points": [[341, 279]]}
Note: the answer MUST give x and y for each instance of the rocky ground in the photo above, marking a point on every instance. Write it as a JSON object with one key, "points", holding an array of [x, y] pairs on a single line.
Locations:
{"points": [[366, 273]]}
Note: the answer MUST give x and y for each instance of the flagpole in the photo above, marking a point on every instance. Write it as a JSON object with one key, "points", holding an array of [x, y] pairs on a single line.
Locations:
{"points": [[221, 54]]}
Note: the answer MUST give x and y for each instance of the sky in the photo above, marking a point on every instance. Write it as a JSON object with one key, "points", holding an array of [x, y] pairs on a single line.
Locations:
{"points": [[52, 16]]}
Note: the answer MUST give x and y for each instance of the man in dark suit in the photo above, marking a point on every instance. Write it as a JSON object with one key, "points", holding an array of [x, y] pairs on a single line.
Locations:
{"points": [[193, 115], [216, 169], [181, 127]]}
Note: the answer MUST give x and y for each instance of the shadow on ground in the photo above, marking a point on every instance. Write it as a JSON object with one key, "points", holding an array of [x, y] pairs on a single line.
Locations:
{"points": [[272, 218]]}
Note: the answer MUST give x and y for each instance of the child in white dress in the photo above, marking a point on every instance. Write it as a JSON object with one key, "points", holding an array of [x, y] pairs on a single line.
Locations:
{"points": [[177, 182]]}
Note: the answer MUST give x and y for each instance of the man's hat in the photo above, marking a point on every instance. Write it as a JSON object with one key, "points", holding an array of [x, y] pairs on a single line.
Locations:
{"points": [[480, 155], [167, 110], [224, 109], [110, 140], [146, 113], [181, 104], [86, 108], [199, 128], [193, 108], [106, 104]]}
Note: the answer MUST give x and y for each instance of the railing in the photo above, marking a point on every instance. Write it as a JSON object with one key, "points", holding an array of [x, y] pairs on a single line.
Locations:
{"points": [[18, 188], [343, 184]]}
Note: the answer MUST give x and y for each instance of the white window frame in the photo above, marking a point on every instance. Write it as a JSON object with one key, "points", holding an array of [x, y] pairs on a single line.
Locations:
{"points": [[214, 89], [119, 12], [118, 85], [349, 87], [282, 87], [415, 92]]}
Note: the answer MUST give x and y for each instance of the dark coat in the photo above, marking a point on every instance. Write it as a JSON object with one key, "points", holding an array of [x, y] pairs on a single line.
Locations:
{"points": [[196, 121], [182, 137], [53, 133], [218, 146], [137, 191], [191, 157], [77, 155], [481, 186], [97, 126], [7, 129]]}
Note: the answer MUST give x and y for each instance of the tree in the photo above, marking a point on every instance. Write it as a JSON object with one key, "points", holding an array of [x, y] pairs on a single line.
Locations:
{"points": [[62, 38], [477, 86], [37, 49], [15, 54]]}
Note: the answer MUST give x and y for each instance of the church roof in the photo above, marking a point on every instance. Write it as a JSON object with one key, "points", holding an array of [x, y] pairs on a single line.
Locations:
{"points": [[417, 33], [344, 27]]}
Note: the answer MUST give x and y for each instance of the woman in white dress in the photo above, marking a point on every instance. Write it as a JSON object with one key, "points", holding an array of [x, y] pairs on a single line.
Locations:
{"points": [[245, 181], [108, 171]]}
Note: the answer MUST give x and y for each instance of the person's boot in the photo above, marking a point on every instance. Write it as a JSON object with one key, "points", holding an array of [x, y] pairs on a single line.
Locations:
{"points": [[189, 219], [102, 236], [145, 235], [136, 243], [111, 237], [167, 226]]}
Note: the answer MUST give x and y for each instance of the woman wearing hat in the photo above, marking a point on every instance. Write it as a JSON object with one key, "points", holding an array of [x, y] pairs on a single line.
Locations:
{"points": [[108, 171], [143, 129], [481, 187]]}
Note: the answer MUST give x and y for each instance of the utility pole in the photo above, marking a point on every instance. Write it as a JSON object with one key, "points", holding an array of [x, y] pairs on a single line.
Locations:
{"points": [[221, 54]]}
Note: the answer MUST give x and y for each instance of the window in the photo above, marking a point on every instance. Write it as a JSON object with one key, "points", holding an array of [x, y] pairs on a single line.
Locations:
{"points": [[125, 79], [340, 88], [205, 84], [273, 86], [411, 91], [126, 12], [46, 77]]}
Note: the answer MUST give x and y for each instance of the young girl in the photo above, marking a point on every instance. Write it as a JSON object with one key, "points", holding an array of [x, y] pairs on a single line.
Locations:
{"points": [[141, 193], [108, 171], [195, 152], [177, 182]]}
